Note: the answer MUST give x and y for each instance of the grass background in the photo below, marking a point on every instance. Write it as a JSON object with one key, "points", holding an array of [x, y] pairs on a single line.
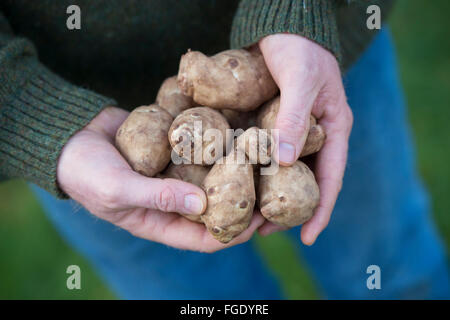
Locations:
{"points": [[33, 258]]}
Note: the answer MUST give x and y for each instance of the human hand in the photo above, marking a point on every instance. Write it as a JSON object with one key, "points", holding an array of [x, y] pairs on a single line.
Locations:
{"points": [[310, 82], [92, 172]]}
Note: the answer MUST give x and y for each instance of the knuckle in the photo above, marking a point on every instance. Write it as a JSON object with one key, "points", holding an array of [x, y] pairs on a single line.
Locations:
{"points": [[294, 122], [348, 115], [351, 118], [165, 200]]}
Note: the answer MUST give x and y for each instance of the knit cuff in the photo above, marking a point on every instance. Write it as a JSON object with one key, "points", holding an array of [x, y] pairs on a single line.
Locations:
{"points": [[313, 19], [37, 119]]}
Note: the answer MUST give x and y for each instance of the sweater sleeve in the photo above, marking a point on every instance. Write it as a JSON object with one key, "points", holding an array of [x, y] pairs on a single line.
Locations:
{"points": [[337, 25], [313, 19], [39, 112]]}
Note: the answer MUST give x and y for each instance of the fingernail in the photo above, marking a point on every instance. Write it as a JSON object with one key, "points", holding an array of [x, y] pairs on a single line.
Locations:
{"points": [[193, 204], [287, 152]]}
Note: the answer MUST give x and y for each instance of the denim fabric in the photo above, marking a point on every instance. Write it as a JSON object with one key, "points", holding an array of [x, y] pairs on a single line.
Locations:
{"points": [[381, 218]]}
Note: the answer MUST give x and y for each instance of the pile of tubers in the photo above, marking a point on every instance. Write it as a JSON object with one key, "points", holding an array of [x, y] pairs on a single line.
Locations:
{"points": [[230, 90]]}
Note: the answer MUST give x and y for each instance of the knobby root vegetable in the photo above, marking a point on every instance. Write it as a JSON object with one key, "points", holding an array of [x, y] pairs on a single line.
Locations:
{"points": [[257, 145], [289, 197], [191, 173], [232, 79], [314, 141], [142, 139], [240, 120], [190, 135], [172, 99], [316, 136], [230, 191]]}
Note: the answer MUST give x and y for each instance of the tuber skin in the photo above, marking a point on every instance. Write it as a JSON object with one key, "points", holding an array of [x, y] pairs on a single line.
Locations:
{"points": [[267, 116], [315, 140], [240, 120], [233, 79], [182, 135], [171, 98], [191, 173], [257, 151], [142, 139], [230, 191], [289, 197]]}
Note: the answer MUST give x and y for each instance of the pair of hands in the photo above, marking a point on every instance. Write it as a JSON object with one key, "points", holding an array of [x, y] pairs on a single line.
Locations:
{"points": [[92, 172]]}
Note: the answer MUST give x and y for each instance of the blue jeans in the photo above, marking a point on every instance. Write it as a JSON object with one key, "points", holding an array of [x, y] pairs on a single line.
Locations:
{"points": [[381, 218]]}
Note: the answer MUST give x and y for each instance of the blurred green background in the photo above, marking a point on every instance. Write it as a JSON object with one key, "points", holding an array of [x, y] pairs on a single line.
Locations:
{"points": [[33, 258]]}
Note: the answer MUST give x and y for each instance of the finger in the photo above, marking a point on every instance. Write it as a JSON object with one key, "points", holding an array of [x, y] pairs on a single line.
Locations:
{"points": [[167, 195], [330, 168], [268, 228], [296, 101], [111, 116], [176, 231]]}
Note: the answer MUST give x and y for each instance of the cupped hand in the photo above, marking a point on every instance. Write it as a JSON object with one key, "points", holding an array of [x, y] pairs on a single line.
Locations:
{"points": [[310, 82], [92, 172]]}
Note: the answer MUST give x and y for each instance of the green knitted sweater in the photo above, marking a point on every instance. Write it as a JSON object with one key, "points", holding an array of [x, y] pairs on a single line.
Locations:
{"points": [[53, 80]]}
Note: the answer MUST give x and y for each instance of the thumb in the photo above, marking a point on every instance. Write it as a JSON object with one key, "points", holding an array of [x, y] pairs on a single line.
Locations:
{"points": [[168, 195], [293, 121]]}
